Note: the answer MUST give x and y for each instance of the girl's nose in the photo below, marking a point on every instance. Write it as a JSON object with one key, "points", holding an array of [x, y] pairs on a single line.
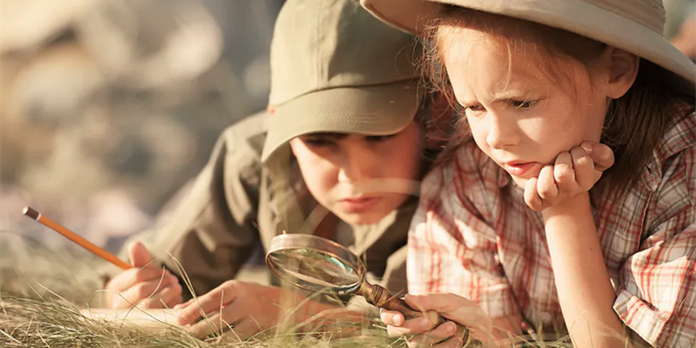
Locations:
{"points": [[501, 133]]}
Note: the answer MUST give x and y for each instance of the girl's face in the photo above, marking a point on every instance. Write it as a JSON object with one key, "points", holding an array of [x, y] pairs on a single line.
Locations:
{"points": [[518, 115], [360, 178]]}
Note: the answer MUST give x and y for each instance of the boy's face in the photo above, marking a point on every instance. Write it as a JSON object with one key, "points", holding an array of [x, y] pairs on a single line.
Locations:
{"points": [[360, 178], [518, 115]]}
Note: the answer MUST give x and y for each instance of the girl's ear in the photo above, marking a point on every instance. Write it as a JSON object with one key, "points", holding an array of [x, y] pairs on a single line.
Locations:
{"points": [[623, 69]]}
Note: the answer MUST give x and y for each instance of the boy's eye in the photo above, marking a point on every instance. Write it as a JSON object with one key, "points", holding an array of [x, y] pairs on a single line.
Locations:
{"points": [[378, 138], [525, 104], [317, 142]]}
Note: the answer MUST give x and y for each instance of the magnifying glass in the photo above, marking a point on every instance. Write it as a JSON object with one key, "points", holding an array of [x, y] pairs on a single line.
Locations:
{"points": [[318, 264]]}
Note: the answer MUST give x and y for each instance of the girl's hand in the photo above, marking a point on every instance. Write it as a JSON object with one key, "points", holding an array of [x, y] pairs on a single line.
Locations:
{"points": [[573, 173], [423, 333], [146, 285]]}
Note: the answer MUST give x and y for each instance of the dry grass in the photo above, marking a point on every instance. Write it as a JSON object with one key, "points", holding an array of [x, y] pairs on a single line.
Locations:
{"points": [[26, 322], [41, 292]]}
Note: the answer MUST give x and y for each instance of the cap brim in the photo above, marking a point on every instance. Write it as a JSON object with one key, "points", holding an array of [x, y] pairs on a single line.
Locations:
{"points": [[368, 110], [576, 16]]}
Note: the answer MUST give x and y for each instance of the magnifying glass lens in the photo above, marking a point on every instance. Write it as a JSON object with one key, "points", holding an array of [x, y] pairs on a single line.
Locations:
{"points": [[315, 268]]}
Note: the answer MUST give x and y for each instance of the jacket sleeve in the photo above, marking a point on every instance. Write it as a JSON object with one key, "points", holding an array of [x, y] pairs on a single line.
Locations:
{"points": [[212, 232]]}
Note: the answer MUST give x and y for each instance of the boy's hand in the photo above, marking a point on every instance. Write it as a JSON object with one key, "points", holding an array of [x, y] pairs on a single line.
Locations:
{"points": [[424, 333], [573, 173], [248, 308], [146, 285]]}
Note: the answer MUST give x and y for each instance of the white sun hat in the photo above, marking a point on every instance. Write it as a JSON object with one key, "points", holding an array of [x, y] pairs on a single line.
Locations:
{"points": [[632, 25]]}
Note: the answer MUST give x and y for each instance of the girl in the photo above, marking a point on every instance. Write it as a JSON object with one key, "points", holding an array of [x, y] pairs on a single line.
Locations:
{"points": [[574, 206]]}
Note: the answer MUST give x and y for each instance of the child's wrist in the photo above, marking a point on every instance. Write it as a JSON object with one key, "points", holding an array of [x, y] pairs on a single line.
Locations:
{"points": [[576, 205]]}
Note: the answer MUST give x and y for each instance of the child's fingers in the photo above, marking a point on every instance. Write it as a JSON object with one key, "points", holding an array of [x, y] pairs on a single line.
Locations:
{"points": [[138, 292], [133, 276], [184, 305], [602, 155], [394, 318], [203, 305], [166, 297], [454, 308], [214, 323], [604, 158], [584, 168], [125, 279], [236, 315], [546, 184], [412, 326], [210, 302], [139, 255], [438, 302], [563, 171], [531, 196], [441, 333]]}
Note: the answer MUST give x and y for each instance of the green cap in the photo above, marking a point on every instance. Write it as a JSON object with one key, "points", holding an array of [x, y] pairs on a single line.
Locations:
{"points": [[335, 68]]}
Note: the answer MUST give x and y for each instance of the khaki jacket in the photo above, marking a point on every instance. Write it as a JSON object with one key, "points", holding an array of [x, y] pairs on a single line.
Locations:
{"points": [[237, 201]]}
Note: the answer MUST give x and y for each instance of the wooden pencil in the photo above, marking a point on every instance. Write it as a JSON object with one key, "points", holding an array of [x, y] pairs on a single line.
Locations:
{"points": [[28, 211]]}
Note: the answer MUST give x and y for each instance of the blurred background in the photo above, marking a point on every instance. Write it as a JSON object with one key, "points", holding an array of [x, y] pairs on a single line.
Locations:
{"points": [[109, 107]]}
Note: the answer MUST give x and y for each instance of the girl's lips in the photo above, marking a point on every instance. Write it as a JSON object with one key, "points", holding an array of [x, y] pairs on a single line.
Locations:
{"points": [[519, 169], [359, 205]]}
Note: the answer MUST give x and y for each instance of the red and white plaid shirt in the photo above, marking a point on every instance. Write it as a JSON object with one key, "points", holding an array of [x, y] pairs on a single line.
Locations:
{"points": [[473, 235]]}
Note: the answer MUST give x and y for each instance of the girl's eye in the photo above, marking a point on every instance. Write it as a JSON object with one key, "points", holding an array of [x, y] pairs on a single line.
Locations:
{"points": [[474, 109], [525, 104], [378, 138]]}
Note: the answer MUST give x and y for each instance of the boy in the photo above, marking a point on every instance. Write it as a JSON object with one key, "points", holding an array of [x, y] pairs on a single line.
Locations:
{"points": [[344, 150]]}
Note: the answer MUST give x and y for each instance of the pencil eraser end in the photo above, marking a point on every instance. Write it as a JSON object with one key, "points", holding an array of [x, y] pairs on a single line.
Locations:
{"points": [[28, 211]]}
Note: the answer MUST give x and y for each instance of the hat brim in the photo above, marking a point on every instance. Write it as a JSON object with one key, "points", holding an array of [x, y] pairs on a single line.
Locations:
{"points": [[576, 16], [368, 110]]}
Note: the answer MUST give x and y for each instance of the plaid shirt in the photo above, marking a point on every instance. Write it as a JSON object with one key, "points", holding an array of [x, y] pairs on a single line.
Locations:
{"points": [[473, 235]]}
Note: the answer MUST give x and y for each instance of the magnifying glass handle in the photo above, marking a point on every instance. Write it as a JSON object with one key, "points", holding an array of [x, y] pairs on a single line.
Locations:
{"points": [[380, 297], [398, 304]]}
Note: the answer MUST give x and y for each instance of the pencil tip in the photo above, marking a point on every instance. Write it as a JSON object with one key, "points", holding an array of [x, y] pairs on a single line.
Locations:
{"points": [[28, 211]]}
